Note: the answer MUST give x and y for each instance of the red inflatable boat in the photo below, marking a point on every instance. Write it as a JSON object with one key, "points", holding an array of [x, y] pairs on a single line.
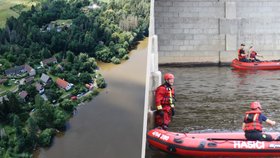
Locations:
{"points": [[263, 65], [212, 144]]}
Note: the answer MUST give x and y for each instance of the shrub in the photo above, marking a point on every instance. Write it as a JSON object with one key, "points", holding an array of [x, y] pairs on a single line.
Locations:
{"points": [[115, 60], [125, 57]]}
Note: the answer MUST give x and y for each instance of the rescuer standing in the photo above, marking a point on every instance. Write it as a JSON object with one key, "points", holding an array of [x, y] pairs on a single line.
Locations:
{"points": [[165, 98]]}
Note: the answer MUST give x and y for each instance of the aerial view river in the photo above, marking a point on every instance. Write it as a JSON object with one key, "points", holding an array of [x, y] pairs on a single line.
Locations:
{"points": [[216, 98], [111, 125]]}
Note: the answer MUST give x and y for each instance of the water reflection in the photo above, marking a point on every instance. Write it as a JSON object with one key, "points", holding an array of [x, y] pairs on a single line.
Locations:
{"points": [[215, 99]]}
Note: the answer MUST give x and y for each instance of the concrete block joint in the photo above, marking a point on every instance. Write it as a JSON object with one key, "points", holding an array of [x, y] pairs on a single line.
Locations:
{"points": [[215, 25]]}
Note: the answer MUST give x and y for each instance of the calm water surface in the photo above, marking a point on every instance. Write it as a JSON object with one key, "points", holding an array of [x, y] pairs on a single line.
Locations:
{"points": [[216, 98]]}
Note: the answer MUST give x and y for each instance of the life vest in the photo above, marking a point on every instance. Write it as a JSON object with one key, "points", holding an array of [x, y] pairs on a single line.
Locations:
{"points": [[165, 96], [252, 121], [253, 54], [239, 54]]}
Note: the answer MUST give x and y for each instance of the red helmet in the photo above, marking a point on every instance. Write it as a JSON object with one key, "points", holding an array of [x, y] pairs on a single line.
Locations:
{"points": [[168, 76], [256, 105]]}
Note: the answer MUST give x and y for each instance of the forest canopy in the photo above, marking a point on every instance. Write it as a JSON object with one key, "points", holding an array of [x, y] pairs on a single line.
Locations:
{"points": [[103, 32]]}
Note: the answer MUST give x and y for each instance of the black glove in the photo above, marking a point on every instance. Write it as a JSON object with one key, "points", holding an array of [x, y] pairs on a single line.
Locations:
{"points": [[161, 113], [173, 111]]}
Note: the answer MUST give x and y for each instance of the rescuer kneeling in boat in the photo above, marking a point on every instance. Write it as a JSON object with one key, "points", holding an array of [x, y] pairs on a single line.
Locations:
{"points": [[252, 124], [165, 98], [242, 56], [253, 54]]}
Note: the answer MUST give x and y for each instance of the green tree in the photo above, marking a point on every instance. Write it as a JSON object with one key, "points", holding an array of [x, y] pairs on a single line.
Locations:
{"points": [[83, 57], [11, 58], [121, 52], [93, 62], [17, 124], [125, 45], [104, 54], [60, 118], [125, 57], [44, 116], [53, 70], [101, 82], [5, 64], [14, 104], [51, 94], [68, 105], [38, 100], [32, 91], [45, 53], [87, 66], [59, 56], [72, 78], [115, 60], [85, 77], [6, 83], [19, 143], [70, 56], [45, 137], [31, 135]]}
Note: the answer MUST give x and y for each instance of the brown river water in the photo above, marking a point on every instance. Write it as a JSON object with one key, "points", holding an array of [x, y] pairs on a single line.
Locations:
{"points": [[111, 125], [213, 99]]}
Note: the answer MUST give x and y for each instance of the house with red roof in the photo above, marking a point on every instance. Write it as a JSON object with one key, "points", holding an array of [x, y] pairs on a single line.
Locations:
{"points": [[63, 84]]}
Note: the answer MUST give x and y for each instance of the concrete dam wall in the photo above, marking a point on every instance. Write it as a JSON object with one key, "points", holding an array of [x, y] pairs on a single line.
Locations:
{"points": [[210, 31]]}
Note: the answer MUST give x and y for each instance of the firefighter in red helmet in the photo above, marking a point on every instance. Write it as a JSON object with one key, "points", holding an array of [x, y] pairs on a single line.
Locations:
{"points": [[252, 124], [165, 98]]}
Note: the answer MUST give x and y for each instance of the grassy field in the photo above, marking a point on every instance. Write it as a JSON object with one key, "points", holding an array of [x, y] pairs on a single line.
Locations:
{"points": [[6, 12], [4, 90]]}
